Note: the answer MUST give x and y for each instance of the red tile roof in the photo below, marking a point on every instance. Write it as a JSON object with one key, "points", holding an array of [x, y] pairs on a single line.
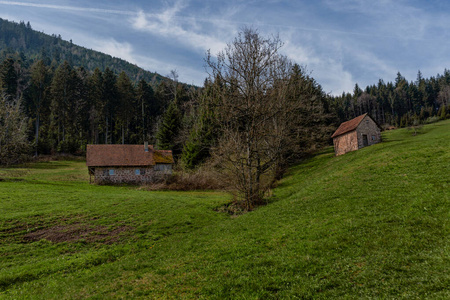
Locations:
{"points": [[348, 126], [125, 155]]}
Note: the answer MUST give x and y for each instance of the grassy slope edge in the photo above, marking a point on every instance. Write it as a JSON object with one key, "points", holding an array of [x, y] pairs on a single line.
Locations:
{"points": [[371, 223]]}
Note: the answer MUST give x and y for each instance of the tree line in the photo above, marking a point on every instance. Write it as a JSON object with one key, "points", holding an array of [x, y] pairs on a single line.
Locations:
{"points": [[399, 103]]}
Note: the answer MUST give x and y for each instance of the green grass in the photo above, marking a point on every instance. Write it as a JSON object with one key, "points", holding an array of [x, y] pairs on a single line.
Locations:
{"points": [[374, 223]]}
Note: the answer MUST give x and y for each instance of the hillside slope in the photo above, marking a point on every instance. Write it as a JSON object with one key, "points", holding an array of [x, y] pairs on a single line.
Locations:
{"points": [[369, 224], [21, 38]]}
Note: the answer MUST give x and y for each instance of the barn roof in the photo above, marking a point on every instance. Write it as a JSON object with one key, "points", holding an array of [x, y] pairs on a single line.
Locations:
{"points": [[348, 126], [125, 155]]}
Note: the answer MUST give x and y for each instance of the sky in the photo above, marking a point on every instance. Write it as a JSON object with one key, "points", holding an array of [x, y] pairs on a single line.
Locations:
{"points": [[339, 42]]}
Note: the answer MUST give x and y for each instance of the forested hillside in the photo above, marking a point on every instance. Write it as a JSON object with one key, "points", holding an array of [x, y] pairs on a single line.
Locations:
{"points": [[59, 97], [53, 50], [65, 108]]}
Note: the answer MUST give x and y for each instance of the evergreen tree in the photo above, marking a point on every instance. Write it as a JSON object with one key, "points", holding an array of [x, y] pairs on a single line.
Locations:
{"points": [[205, 132], [81, 108], [40, 80], [127, 107], [169, 129], [95, 95], [8, 78], [147, 109], [109, 103], [61, 91]]}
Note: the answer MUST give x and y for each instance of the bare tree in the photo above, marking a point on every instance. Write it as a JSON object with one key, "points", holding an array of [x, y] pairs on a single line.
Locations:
{"points": [[13, 137], [254, 112]]}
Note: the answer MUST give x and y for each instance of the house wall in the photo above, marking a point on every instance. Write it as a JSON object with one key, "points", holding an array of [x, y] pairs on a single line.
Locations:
{"points": [[345, 143], [128, 174], [368, 127]]}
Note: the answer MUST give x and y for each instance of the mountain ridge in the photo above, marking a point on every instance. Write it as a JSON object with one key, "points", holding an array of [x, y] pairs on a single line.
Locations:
{"points": [[21, 38]]}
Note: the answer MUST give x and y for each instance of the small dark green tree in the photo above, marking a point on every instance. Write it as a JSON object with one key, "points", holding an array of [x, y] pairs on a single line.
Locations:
{"points": [[205, 131], [169, 129], [8, 78]]}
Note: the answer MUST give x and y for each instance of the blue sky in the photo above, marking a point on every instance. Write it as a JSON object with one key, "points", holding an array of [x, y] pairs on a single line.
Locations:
{"points": [[341, 42]]}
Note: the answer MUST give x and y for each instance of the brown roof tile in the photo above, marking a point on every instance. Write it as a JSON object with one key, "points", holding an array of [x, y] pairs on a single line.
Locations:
{"points": [[120, 155], [348, 126]]}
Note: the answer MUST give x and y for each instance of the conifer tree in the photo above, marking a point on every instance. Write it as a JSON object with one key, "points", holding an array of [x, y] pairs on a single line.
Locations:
{"points": [[169, 129], [127, 108], [110, 102], [8, 78], [62, 94], [204, 134], [146, 108], [39, 84]]}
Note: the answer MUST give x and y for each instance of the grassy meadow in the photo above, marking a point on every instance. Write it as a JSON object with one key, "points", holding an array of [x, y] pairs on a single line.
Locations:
{"points": [[374, 223]]}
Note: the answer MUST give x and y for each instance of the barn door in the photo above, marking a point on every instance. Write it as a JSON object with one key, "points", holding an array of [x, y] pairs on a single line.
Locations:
{"points": [[365, 140]]}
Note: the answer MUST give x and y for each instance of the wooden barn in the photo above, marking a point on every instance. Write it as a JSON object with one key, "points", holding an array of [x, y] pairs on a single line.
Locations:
{"points": [[355, 134], [135, 164]]}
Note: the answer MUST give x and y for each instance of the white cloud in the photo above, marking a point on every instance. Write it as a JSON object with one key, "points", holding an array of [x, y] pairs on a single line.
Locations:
{"points": [[168, 25], [67, 8], [115, 49]]}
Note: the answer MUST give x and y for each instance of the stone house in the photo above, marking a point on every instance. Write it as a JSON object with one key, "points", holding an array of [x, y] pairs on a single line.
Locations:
{"points": [[135, 164], [355, 134]]}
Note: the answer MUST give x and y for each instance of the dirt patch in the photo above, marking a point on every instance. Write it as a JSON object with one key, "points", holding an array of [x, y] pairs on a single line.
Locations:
{"points": [[77, 232]]}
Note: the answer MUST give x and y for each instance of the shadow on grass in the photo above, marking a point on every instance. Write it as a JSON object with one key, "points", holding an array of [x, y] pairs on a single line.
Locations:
{"points": [[56, 183], [44, 165]]}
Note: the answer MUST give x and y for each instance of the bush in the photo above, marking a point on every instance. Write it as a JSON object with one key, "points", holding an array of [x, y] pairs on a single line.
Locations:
{"points": [[204, 178], [14, 146]]}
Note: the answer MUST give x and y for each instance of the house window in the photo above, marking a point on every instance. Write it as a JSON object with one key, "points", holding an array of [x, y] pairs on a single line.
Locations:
{"points": [[373, 138], [111, 172], [142, 171], [137, 172]]}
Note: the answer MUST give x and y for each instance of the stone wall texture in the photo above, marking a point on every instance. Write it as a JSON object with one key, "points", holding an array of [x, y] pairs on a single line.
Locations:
{"points": [[369, 128], [103, 175], [345, 143], [354, 140]]}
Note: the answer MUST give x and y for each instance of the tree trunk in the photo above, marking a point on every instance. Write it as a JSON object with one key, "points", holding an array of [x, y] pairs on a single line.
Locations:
{"points": [[106, 133], [123, 135], [37, 134]]}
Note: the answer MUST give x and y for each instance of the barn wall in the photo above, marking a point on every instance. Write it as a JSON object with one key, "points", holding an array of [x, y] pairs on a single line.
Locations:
{"points": [[345, 143], [128, 175], [369, 128]]}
